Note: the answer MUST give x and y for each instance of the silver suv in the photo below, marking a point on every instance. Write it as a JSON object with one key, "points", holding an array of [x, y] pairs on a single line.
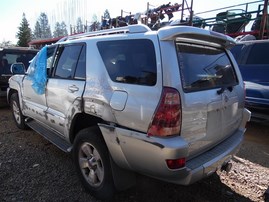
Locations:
{"points": [[167, 104]]}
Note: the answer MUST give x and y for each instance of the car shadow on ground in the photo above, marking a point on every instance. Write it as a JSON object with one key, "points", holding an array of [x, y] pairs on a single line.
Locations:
{"points": [[209, 189], [255, 147], [4, 105], [43, 172]]}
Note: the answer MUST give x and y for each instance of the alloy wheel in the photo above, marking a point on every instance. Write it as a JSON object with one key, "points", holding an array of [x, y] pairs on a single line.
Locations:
{"points": [[91, 164]]}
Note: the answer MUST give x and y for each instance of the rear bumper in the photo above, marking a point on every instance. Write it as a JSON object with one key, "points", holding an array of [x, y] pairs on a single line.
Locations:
{"points": [[207, 163], [147, 155]]}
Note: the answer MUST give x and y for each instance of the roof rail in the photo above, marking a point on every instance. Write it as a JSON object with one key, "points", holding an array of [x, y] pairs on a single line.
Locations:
{"points": [[138, 28]]}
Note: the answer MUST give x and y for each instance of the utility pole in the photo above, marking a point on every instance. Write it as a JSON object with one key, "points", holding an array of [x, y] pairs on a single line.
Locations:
{"points": [[264, 20]]}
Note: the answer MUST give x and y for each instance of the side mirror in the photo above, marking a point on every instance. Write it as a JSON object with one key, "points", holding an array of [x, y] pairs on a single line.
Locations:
{"points": [[17, 68]]}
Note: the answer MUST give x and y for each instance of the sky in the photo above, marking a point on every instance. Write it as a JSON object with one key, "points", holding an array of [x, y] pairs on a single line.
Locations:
{"points": [[11, 11]]}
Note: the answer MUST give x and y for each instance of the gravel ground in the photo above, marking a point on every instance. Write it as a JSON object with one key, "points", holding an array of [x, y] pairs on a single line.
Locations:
{"points": [[32, 169]]}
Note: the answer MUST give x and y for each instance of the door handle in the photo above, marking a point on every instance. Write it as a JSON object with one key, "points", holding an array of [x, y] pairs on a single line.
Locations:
{"points": [[72, 88]]}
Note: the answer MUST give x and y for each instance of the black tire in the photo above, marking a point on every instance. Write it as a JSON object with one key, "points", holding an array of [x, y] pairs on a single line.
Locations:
{"points": [[16, 111], [92, 163]]}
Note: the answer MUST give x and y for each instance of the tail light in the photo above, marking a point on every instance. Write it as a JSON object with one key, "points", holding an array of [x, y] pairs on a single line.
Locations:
{"points": [[167, 118]]}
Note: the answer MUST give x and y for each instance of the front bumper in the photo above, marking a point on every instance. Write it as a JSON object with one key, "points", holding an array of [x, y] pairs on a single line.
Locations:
{"points": [[135, 151]]}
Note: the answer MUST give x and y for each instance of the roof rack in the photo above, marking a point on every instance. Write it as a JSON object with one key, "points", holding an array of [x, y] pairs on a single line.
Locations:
{"points": [[138, 28]]}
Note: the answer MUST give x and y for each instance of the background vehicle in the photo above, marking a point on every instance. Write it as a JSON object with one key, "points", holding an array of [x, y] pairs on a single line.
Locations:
{"points": [[253, 62], [231, 21], [9, 56], [168, 104]]}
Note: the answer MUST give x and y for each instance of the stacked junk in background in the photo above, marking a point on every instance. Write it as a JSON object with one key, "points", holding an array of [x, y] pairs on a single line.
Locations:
{"points": [[232, 20], [246, 21], [153, 17]]}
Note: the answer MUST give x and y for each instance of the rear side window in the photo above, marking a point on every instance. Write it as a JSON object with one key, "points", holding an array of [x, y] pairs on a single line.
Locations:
{"points": [[204, 67], [259, 54], [81, 66], [68, 57], [129, 61]]}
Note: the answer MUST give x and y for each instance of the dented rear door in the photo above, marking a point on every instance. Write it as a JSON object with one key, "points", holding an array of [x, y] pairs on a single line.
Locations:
{"points": [[66, 86]]}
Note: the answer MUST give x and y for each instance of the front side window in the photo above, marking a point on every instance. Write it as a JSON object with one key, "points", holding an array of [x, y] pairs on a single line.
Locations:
{"points": [[36, 60], [50, 55], [204, 67], [37, 71], [129, 61]]}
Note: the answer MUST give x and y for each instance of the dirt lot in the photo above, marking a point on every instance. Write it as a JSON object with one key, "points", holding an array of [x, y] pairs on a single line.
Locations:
{"points": [[32, 169]]}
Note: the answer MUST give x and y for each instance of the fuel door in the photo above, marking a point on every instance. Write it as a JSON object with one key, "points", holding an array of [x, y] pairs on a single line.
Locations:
{"points": [[118, 100]]}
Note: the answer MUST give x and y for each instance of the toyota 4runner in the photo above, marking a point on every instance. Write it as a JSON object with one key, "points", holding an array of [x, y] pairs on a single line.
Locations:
{"points": [[167, 104]]}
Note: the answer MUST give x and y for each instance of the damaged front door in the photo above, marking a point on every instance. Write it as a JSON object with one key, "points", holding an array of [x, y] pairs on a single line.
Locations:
{"points": [[34, 84]]}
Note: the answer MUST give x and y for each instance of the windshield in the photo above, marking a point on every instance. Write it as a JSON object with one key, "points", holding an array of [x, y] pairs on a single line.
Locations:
{"points": [[204, 67]]}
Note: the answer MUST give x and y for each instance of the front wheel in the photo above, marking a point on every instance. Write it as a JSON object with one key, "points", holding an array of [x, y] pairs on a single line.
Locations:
{"points": [[92, 162], [16, 111]]}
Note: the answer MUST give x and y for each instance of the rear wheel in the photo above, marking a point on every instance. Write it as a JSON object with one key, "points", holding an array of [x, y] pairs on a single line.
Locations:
{"points": [[16, 111], [92, 162]]}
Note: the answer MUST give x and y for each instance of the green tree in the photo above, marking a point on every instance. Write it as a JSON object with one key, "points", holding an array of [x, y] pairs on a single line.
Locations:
{"points": [[5, 43], [95, 23], [60, 30], [45, 27], [24, 34], [57, 30], [63, 27], [106, 14], [42, 28], [37, 31], [80, 27]]}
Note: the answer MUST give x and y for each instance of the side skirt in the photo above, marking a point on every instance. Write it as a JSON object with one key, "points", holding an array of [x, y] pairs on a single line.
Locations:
{"points": [[50, 135]]}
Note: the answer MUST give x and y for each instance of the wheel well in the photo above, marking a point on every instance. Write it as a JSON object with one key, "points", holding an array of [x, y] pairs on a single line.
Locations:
{"points": [[11, 91], [82, 121]]}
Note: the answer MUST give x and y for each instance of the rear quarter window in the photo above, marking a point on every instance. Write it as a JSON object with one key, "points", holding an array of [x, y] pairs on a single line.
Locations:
{"points": [[129, 61], [204, 67]]}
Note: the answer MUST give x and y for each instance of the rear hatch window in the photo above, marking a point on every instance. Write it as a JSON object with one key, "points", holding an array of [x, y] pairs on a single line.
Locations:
{"points": [[204, 67]]}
